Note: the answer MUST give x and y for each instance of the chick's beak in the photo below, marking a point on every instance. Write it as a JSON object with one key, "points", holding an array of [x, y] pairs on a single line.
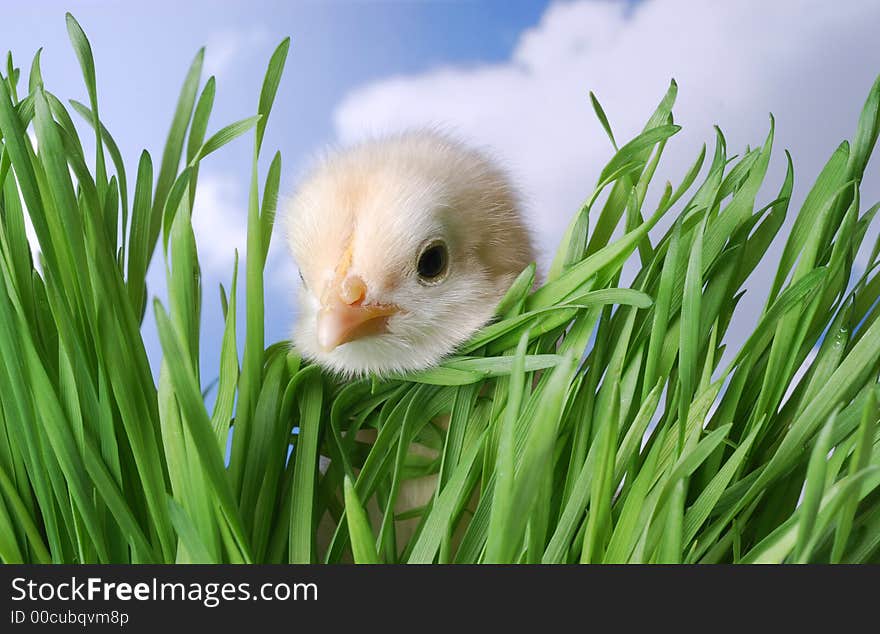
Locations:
{"points": [[344, 317]]}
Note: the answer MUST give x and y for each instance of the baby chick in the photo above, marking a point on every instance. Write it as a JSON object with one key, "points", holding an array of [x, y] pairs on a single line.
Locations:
{"points": [[405, 245]]}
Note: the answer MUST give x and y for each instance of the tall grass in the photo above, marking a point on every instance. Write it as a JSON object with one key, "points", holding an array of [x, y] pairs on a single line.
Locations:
{"points": [[595, 423]]}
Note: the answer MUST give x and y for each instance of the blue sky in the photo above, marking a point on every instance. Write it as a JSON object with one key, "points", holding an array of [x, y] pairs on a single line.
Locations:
{"points": [[512, 76], [142, 51]]}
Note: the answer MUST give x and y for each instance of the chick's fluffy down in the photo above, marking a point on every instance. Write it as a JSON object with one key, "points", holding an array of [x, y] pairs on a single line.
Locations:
{"points": [[368, 211]]}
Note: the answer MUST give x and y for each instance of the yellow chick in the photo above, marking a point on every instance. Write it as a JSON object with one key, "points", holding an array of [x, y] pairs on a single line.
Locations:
{"points": [[405, 245]]}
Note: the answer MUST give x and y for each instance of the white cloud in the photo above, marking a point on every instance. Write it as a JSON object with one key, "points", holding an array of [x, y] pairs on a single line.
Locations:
{"points": [[219, 221], [810, 63], [220, 224], [223, 47]]}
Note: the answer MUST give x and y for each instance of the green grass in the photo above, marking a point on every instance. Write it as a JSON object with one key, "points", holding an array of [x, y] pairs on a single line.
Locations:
{"points": [[596, 423]]}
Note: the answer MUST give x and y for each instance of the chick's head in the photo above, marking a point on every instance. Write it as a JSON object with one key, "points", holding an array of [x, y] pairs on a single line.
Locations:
{"points": [[405, 245]]}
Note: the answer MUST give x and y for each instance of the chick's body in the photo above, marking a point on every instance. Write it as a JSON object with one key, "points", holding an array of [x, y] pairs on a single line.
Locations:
{"points": [[405, 245]]}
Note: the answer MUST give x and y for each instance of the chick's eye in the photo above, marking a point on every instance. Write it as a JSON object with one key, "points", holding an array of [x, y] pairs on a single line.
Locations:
{"points": [[433, 262], [302, 279]]}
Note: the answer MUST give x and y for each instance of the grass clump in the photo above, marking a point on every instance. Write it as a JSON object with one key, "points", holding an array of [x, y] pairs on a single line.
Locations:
{"points": [[595, 423]]}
